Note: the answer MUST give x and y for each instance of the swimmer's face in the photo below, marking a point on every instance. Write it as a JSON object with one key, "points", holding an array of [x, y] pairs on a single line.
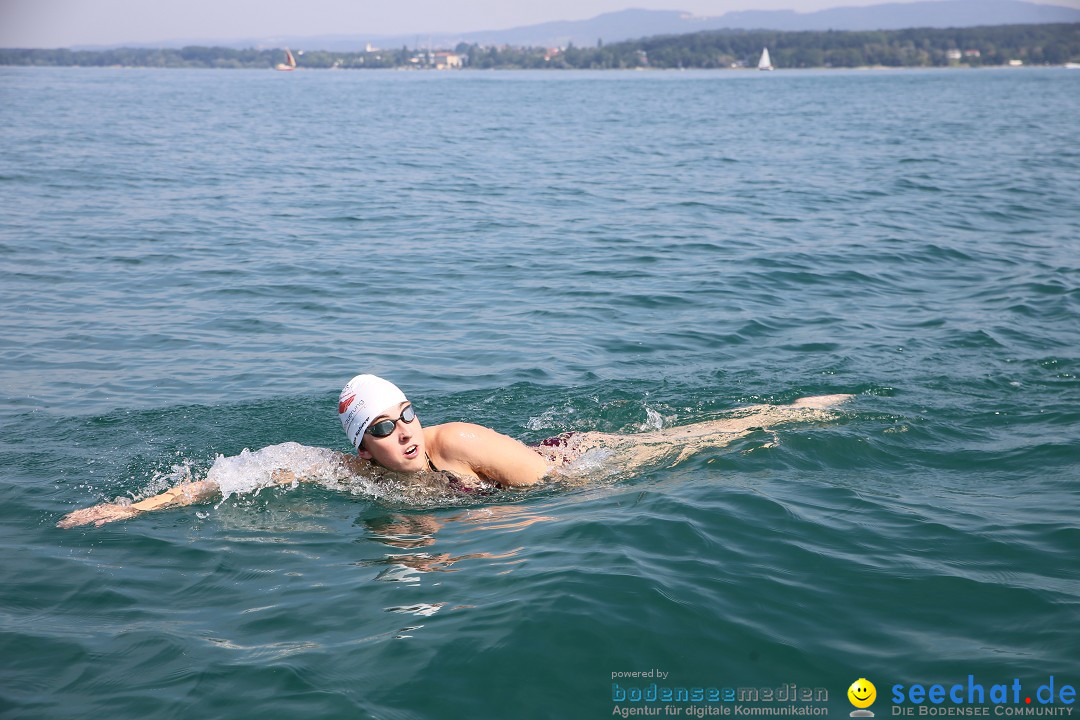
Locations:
{"points": [[403, 449]]}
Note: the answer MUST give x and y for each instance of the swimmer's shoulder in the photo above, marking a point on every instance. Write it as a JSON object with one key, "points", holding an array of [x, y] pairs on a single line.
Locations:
{"points": [[453, 438], [459, 446], [469, 449]]}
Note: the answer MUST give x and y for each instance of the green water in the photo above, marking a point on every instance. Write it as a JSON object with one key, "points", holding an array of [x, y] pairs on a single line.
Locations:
{"points": [[194, 262]]}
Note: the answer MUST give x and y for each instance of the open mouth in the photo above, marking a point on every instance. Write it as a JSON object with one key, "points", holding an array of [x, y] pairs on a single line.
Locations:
{"points": [[412, 451]]}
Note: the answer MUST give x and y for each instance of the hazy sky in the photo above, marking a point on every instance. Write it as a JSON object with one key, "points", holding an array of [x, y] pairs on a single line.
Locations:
{"points": [[60, 23], [63, 23]]}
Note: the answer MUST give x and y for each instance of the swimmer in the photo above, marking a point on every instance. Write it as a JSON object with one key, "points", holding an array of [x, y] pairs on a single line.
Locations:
{"points": [[390, 441]]}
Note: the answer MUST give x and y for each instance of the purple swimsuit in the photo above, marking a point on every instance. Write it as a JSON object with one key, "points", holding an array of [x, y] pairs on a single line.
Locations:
{"points": [[558, 441], [456, 484]]}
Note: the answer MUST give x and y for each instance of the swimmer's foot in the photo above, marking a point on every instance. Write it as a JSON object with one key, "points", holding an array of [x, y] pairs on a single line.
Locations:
{"points": [[820, 402]]}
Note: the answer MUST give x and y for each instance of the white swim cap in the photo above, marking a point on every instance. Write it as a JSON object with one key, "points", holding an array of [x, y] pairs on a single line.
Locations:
{"points": [[362, 400]]}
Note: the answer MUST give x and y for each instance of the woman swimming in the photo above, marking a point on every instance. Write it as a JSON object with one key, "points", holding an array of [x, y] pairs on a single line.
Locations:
{"points": [[391, 442]]}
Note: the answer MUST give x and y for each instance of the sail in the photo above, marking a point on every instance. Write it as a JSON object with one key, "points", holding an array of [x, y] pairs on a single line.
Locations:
{"points": [[764, 63], [289, 64]]}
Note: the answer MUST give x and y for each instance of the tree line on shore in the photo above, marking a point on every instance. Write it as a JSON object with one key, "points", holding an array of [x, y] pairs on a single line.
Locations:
{"points": [[1051, 44]]}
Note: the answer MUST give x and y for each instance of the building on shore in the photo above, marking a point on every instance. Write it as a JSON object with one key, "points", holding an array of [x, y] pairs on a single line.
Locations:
{"points": [[448, 61]]}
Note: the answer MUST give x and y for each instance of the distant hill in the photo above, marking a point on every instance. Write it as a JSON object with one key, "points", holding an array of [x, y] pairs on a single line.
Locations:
{"points": [[632, 24], [896, 16]]}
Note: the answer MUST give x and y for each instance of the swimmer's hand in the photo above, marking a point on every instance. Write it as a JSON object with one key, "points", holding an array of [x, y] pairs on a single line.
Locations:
{"points": [[185, 493], [98, 515]]}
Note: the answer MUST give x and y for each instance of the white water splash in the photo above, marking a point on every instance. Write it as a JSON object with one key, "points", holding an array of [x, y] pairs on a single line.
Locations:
{"points": [[550, 418], [252, 471], [591, 461], [653, 420], [161, 481]]}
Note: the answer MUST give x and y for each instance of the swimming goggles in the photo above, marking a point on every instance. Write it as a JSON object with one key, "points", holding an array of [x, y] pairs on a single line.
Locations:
{"points": [[383, 428]]}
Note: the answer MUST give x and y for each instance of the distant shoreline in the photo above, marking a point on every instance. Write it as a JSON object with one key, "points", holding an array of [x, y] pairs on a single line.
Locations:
{"points": [[559, 71], [994, 46]]}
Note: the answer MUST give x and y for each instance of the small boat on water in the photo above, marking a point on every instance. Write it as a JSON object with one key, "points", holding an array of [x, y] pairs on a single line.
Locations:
{"points": [[289, 64], [765, 63]]}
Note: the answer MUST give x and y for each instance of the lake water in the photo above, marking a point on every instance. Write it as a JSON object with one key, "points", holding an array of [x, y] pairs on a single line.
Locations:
{"points": [[194, 262]]}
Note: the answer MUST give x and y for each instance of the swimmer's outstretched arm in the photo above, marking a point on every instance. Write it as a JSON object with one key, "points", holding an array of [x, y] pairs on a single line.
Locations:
{"points": [[185, 493], [644, 448]]}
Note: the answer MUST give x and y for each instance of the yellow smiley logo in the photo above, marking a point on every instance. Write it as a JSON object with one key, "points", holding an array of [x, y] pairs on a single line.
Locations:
{"points": [[862, 693]]}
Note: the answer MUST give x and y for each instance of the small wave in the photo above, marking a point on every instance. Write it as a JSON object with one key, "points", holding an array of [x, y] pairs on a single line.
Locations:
{"points": [[420, 609], [914, 184]]}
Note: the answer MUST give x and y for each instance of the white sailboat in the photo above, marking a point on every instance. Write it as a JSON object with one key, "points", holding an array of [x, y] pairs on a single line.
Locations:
{"points": [[765, 63], [290, 62]]}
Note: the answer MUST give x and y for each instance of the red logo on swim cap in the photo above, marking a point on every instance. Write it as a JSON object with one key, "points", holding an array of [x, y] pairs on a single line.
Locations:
{"points": [[344, 404]]}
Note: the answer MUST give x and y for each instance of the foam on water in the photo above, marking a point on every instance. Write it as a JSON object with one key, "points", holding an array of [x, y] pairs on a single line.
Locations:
{"points": [[590, 463], [549, 419], [252, 471], [183, 472], [654, 420]]}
